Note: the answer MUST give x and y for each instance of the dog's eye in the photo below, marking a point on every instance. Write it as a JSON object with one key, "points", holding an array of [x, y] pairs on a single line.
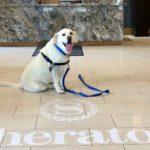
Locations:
{"points": [[71, 33], [63, 34]]}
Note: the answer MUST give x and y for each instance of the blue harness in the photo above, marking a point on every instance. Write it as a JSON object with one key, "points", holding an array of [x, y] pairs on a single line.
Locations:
{"points": [[98, 91]]}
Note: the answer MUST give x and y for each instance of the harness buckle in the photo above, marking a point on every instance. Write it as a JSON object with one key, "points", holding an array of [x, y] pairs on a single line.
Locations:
{"points": [[51, 67]]}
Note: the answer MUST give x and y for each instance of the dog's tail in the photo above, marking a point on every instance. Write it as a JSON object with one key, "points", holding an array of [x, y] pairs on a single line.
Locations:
{"points": [[9, 84]]}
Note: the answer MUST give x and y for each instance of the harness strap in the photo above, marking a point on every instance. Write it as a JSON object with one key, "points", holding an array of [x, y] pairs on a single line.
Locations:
{"points": [[60, 50], [99, 92], [52, 63]]}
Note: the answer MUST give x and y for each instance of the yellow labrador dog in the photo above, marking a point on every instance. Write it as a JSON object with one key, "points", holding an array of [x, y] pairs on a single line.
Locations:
{"points": [[41, 71]]}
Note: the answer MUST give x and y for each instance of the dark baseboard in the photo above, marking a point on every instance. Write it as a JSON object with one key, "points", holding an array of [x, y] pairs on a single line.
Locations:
{"points": [[80, 43], [18, 44]]}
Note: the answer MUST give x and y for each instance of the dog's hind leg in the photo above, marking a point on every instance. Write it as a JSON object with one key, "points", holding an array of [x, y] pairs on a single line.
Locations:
{"points": [[34, 86]]}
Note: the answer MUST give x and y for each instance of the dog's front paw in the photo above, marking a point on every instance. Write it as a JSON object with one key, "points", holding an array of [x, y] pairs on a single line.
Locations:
{"points": [[60, 91]]}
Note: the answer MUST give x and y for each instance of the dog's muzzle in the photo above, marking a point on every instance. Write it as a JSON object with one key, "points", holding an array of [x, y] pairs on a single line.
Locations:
{"points": [[69, 44], [69, 39]]}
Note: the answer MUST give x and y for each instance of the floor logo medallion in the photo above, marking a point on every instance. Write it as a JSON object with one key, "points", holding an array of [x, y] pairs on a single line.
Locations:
{"points": [[71, 110]]}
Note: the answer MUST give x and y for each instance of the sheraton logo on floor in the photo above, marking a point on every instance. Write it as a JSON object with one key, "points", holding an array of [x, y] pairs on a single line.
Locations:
{"points": [[73, 137], [72, 110]]}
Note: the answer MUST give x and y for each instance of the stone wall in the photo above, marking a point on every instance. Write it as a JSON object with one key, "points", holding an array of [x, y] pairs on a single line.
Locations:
{"points": [[26, 20]]}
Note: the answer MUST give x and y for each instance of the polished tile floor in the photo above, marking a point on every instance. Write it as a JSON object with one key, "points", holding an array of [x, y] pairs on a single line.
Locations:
{"points": [[49, 121]]}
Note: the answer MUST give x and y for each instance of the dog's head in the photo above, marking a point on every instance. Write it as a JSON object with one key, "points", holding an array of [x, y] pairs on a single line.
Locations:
{"points": [[66, 38]]}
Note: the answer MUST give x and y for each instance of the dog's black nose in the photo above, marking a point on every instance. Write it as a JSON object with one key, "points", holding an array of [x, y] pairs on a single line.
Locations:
{"points": [[69, 39]]}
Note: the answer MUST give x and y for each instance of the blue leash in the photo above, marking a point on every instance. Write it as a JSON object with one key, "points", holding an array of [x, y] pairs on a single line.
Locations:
{"points": [[99, 92], [52, 64]]}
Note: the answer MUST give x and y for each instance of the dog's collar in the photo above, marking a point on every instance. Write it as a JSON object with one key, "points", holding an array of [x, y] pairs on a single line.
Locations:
{"points": [[60, 50]]}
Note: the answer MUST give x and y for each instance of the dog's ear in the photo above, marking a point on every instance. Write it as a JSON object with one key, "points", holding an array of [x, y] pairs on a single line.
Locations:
{"points": [[55, 37], [75, 37]]}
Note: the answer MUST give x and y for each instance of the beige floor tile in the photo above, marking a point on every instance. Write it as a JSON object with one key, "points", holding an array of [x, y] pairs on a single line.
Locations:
{"points": [[86, 74], [4, 70], [119, 108], [123, 83], [134, 75], [96, 122], [111, 75], [119, 88], [10, 78], [60, 97], [31, 99], [110, 147], [4, 91], [15, 148], [18, 122], [77, 84], [73, 83], [57, 97], [27, 110], [125, 90], [8, 70], [46, 137], [137, 147], [7, 110], [127, 99], [94, 100], [101, 65], [20, 100], [49, 92], [136, 120], [138, 77], [87, 91], [144, 90]]}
